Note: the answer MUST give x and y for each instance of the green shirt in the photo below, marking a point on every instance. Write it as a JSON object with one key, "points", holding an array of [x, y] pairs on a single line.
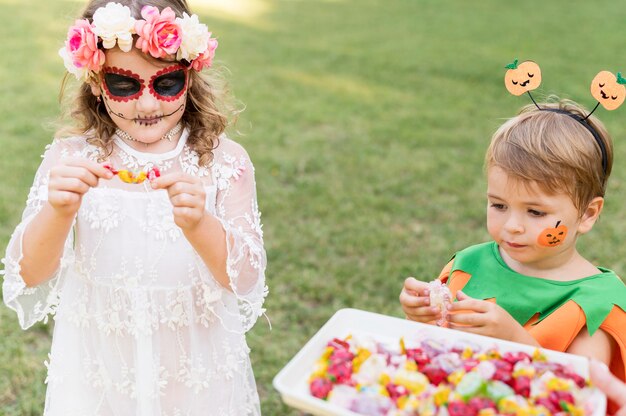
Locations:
{"points": [[524, 296]]}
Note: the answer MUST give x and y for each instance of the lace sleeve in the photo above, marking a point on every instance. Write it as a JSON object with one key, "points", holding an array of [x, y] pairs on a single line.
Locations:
{"points": [[239, 214], [33, 304]]}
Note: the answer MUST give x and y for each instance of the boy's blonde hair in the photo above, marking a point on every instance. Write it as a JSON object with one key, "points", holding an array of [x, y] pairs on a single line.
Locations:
{"points": [[205, 108], [554, 150]]}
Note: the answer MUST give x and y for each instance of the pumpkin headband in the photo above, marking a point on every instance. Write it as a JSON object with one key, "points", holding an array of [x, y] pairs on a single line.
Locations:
{"points": [[158, 34], [607, 88]]}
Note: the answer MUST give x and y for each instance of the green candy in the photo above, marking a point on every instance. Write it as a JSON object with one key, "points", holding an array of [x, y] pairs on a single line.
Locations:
{"points": [[470, 385], [496, 390]]}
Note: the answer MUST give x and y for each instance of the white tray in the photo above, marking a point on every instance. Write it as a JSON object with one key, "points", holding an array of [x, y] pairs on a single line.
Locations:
{"points": [[292, 381]]}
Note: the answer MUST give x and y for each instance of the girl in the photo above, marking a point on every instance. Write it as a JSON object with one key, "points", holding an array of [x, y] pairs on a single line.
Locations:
{"points": [[547, 171], [141, 233]]}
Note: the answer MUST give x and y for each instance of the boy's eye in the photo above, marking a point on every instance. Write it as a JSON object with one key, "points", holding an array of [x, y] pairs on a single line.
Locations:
{"points": [[121, 86], [170, 84], [536, 213], [498, 206]]}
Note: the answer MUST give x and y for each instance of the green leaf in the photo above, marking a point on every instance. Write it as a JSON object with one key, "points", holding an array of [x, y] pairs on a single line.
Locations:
{"points": [[512, 65], [620, 80]]}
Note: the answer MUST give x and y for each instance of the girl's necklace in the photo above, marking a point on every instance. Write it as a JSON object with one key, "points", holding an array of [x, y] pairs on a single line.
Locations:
{"points": [[167, 136]]}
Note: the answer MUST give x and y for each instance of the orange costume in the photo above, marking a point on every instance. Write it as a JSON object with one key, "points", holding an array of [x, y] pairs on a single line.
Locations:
{"points": [[553, 312]]}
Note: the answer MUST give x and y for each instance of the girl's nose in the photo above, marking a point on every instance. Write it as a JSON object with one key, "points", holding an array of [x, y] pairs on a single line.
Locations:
{"points": [[147, 102]]}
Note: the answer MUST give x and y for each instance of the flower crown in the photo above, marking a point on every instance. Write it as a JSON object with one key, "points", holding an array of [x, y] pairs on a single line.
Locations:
{"points": [[159, 34]]}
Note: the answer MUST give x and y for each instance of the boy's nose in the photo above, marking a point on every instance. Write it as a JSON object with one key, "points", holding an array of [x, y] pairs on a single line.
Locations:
{"points": [[513, 225]]}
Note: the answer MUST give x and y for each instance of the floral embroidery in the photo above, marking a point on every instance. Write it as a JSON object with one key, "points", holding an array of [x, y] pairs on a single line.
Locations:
{"points": [[159, 221], [189, 162], [101, 211], [232, 168], [38, 194], [135, 164], [207, 300]]}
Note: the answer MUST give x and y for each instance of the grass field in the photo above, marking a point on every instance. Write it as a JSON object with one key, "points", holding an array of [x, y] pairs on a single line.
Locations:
{"points": [[367, 122]]}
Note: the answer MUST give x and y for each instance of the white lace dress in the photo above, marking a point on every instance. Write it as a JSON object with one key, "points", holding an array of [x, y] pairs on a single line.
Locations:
{"points": [[141, 326]]}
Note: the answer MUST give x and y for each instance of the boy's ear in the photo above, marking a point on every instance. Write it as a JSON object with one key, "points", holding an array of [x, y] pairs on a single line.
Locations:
{"points": [[591, 214]]}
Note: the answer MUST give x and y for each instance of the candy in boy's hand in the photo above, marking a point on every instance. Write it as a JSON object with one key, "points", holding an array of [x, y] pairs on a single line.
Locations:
{"points": [[440, 297]]}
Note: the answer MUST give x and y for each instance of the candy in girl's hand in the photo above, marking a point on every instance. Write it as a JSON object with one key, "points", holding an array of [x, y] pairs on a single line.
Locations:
{"points": [[110, 168], [129, 177], [153, 173], [440, 297]]}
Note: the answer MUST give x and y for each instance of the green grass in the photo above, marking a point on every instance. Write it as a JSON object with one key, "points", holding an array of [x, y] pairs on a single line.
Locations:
{"points": [[367, 122]]}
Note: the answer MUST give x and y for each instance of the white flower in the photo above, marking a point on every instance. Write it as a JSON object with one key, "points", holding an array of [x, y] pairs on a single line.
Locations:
{"points": [[195, 37], [80, 73], [114, 22]]}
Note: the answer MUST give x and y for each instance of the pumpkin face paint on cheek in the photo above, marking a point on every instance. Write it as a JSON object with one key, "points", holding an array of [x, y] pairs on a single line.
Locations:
{"points": [[554, 236]]}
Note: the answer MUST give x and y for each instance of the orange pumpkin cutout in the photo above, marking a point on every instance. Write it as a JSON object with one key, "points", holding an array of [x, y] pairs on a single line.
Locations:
{"points": [[522, 78], [608, 89], [552, 237]]}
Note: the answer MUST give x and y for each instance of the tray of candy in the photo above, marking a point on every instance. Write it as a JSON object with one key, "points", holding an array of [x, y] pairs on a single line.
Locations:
{"points": [[292, 382]]}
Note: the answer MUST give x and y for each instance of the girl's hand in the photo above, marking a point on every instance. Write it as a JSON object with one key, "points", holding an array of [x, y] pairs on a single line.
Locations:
{"points": [[485, 318], [415, 301], [187, 195], [70, 180]]}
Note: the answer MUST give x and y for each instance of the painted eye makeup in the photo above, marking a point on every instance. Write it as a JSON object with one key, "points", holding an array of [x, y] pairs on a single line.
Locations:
{"points": [[122, 85], [169, 83]]}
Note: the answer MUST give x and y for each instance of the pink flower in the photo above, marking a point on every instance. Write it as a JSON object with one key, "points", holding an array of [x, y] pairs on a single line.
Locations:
{"points": [[206, 58], [82, 46], [159, 34]]}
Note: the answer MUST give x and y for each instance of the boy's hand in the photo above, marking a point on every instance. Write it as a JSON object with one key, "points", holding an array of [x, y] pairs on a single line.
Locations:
{"points": [[415, 302], [485, 318], [187, 196], [70, 180]]}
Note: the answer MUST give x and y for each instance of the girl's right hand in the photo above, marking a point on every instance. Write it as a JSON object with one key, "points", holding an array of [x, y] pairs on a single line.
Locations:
{"points": [[70, 180], [415, 301]]}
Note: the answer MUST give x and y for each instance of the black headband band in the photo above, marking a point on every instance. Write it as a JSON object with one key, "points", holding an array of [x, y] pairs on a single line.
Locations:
{"points": [[594, 133]]}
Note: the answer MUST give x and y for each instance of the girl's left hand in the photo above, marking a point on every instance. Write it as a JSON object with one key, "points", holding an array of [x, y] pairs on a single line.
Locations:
{"points": [[187, 196], [485, 318]]}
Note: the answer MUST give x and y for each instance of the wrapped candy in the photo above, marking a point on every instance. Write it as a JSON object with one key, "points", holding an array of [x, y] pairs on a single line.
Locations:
{"points": [[131, 177], [431, 377], [440, 297]]}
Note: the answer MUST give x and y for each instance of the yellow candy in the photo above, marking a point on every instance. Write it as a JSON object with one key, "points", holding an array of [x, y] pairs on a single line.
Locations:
{"points": [[558, 384], [467, 353], [507, 405], [487, 412], [362, 354], [384, 379], [538, 355], [493, 354], [414, 382], [129, 177], [441, 395], [319, 370], [540, 411], [410, 365], [456, 376], [524, 371]]}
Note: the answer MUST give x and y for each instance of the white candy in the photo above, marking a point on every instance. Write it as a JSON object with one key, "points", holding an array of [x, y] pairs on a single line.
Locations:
{"points": [[440, 297]]}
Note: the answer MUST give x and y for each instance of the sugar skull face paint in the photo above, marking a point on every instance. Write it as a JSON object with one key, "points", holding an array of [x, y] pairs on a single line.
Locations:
{"points": [[145, 98], [554, 236], [123, 85]]}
